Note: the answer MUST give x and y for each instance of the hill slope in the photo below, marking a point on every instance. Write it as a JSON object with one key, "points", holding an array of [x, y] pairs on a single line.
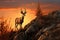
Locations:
{"points": [[42, 28]]}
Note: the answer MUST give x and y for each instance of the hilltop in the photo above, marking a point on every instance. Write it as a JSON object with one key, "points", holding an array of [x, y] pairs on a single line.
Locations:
{"points": [[42, 28]]}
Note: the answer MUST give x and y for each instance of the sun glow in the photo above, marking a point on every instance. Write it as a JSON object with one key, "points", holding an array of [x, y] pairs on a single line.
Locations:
{"points": [[15, 13]]}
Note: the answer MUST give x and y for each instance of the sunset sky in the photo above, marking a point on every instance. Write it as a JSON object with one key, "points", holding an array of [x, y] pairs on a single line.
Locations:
{"points": [[11, 8]]}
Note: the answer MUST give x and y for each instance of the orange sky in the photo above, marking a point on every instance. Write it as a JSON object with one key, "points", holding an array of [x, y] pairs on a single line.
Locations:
{"points": [[13, 13]]}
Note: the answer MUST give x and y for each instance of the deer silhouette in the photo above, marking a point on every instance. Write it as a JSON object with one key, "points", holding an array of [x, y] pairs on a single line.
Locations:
{"points": [[19, 21]]}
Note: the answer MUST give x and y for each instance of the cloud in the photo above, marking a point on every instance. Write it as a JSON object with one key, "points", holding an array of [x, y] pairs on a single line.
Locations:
{"points": [[29, 3], [8, 0]]}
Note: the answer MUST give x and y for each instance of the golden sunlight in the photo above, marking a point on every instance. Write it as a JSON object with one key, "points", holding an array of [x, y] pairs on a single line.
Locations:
{"points": [[13, 13]]}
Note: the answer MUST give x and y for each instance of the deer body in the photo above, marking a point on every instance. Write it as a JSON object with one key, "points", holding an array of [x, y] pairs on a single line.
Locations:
{"points": [[19, 21]]}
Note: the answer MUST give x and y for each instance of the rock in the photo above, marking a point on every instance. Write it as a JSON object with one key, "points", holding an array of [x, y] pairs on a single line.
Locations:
{"points": [[43, 28]]}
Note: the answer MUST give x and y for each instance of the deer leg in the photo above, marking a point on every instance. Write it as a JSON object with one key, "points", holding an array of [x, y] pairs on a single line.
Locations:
{"points": [[21, 26], [16, 26]]}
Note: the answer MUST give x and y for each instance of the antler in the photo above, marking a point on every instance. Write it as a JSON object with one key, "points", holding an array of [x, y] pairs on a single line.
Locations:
{"points": [[23, 11]]}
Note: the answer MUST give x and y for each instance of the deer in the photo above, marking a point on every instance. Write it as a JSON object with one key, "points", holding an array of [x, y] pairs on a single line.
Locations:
{"points": [[19, 21]]}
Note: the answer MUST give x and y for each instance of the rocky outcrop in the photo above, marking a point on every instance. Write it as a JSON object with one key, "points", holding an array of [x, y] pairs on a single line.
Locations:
{"points": [[42, 28]]}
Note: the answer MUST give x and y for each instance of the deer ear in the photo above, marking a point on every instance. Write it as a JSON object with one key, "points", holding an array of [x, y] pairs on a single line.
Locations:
{"points": [[21, 11], [25, 11]]}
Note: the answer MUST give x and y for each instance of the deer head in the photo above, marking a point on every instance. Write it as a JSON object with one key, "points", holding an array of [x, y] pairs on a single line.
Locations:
{"points": [[23, 11]]}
